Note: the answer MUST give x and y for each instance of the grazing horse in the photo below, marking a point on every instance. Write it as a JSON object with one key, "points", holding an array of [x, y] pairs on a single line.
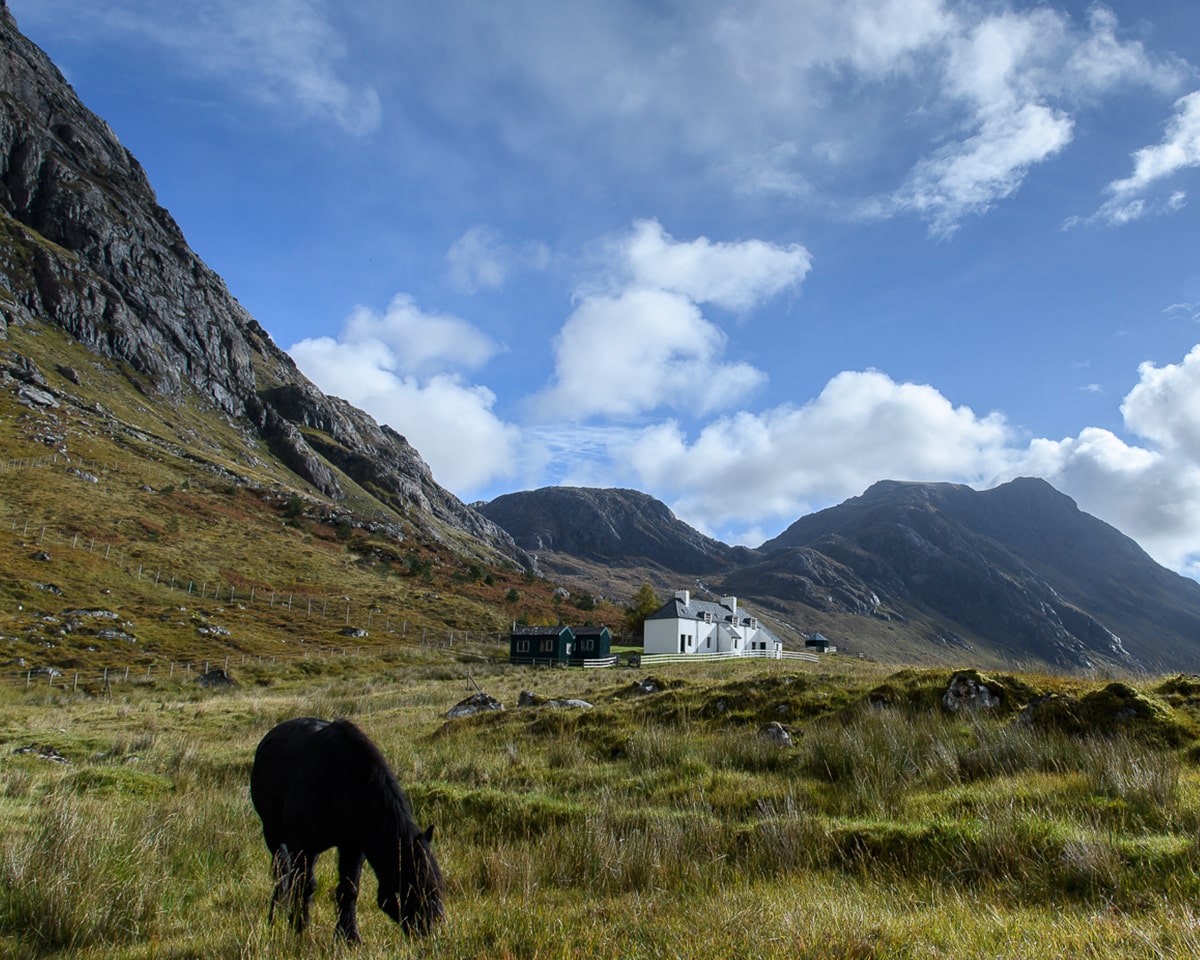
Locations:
{"points": [[318, 784]]}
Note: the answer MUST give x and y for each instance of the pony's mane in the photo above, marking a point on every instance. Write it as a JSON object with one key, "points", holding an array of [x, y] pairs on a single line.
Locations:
{"points": [[380, 780]]}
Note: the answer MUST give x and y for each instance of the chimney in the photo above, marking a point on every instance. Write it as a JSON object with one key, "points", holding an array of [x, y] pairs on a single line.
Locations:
{"points": [[731, 603], [683, 595]]}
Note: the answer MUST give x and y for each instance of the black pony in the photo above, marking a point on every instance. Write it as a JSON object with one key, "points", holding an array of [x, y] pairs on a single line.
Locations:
{"points": [[318, 784]]}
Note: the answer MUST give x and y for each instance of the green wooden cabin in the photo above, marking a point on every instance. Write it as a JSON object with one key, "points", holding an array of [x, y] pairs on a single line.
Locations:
{"points": [[541, 644], [592, 643]]}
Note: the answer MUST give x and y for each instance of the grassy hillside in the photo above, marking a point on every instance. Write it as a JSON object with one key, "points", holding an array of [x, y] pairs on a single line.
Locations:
{"points": [[652, 825], [193, 543]]}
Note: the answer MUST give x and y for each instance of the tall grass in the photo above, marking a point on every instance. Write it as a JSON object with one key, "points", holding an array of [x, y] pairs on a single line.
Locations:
{"points": [[637, 829], [82, 878]]}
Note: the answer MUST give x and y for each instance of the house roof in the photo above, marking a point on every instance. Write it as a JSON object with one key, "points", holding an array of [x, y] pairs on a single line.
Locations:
{"points": [[590, 631], [523, 631], [676, 609]]}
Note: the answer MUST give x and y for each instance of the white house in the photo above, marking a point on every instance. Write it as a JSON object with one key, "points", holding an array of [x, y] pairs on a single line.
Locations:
{"points": [[684, 625]]}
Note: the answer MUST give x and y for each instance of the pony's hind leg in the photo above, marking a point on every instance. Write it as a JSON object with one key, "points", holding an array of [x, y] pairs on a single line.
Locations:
{"points": [[281, 868], [299, 885], [349, 871]]}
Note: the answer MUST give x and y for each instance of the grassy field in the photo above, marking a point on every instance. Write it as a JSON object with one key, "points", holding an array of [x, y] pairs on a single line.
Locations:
{"points": [[652, 825]]}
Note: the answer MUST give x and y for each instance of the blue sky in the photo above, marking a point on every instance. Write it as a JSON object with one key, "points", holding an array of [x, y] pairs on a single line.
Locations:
{"points": [[748, 257]]}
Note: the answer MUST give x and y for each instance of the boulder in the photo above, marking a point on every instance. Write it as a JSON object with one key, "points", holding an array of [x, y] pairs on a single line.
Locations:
{"points": [[476, 703], [969, 691], [776, 733]]}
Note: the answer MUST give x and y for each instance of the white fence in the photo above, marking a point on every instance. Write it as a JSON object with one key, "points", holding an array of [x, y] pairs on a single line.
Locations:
{"points": [[650, 659]]}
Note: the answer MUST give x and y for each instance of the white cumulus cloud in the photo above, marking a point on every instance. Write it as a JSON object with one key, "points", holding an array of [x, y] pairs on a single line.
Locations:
{"points": [[736, 275], [750, 467], [401, 367], [638, 340], [637, 351]]}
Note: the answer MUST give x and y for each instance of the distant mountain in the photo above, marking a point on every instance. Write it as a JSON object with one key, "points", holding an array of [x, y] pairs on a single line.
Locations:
{"points": [[1017, 574], [85, 246], [607, 526]]}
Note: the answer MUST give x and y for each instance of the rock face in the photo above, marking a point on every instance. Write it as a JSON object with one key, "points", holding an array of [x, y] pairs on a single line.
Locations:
{"points": [[85, 245], [1020, 562]]}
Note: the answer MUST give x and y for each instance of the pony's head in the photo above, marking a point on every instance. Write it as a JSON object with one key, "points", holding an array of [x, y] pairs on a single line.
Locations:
{"points": [[414, 900]]}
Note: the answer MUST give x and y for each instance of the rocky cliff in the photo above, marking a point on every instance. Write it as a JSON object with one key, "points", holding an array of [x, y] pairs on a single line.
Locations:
{"points": [[85, 245]]}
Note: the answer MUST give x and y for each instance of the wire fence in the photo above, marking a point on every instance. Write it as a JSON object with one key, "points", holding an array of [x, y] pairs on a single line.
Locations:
{"points": [[297, 610]]}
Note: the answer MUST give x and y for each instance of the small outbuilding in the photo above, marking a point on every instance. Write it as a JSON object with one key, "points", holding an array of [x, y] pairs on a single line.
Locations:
{"points": [[591, 643], [818, 643]]}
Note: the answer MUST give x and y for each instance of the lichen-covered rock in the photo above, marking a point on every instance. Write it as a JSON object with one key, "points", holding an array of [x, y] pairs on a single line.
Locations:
{"points": [[476, 703], [969, 691], [776, 733]]}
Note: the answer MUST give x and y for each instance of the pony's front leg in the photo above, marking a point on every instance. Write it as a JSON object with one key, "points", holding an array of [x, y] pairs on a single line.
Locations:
{"points": [[349, 871]]}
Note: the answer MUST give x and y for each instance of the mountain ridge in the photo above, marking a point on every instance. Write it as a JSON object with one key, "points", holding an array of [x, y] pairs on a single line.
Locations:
{"points": [[1017, 573]]}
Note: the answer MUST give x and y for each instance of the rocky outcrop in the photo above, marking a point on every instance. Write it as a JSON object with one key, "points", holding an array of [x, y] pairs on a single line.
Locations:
{"points": [[85, 245]]}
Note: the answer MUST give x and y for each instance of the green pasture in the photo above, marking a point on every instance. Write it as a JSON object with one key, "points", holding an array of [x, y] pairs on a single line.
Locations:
{"points": [[659, 825]]}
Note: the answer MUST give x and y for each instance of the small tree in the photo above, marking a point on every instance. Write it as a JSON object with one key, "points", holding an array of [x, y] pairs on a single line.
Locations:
{"points": [[644, 603]]}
